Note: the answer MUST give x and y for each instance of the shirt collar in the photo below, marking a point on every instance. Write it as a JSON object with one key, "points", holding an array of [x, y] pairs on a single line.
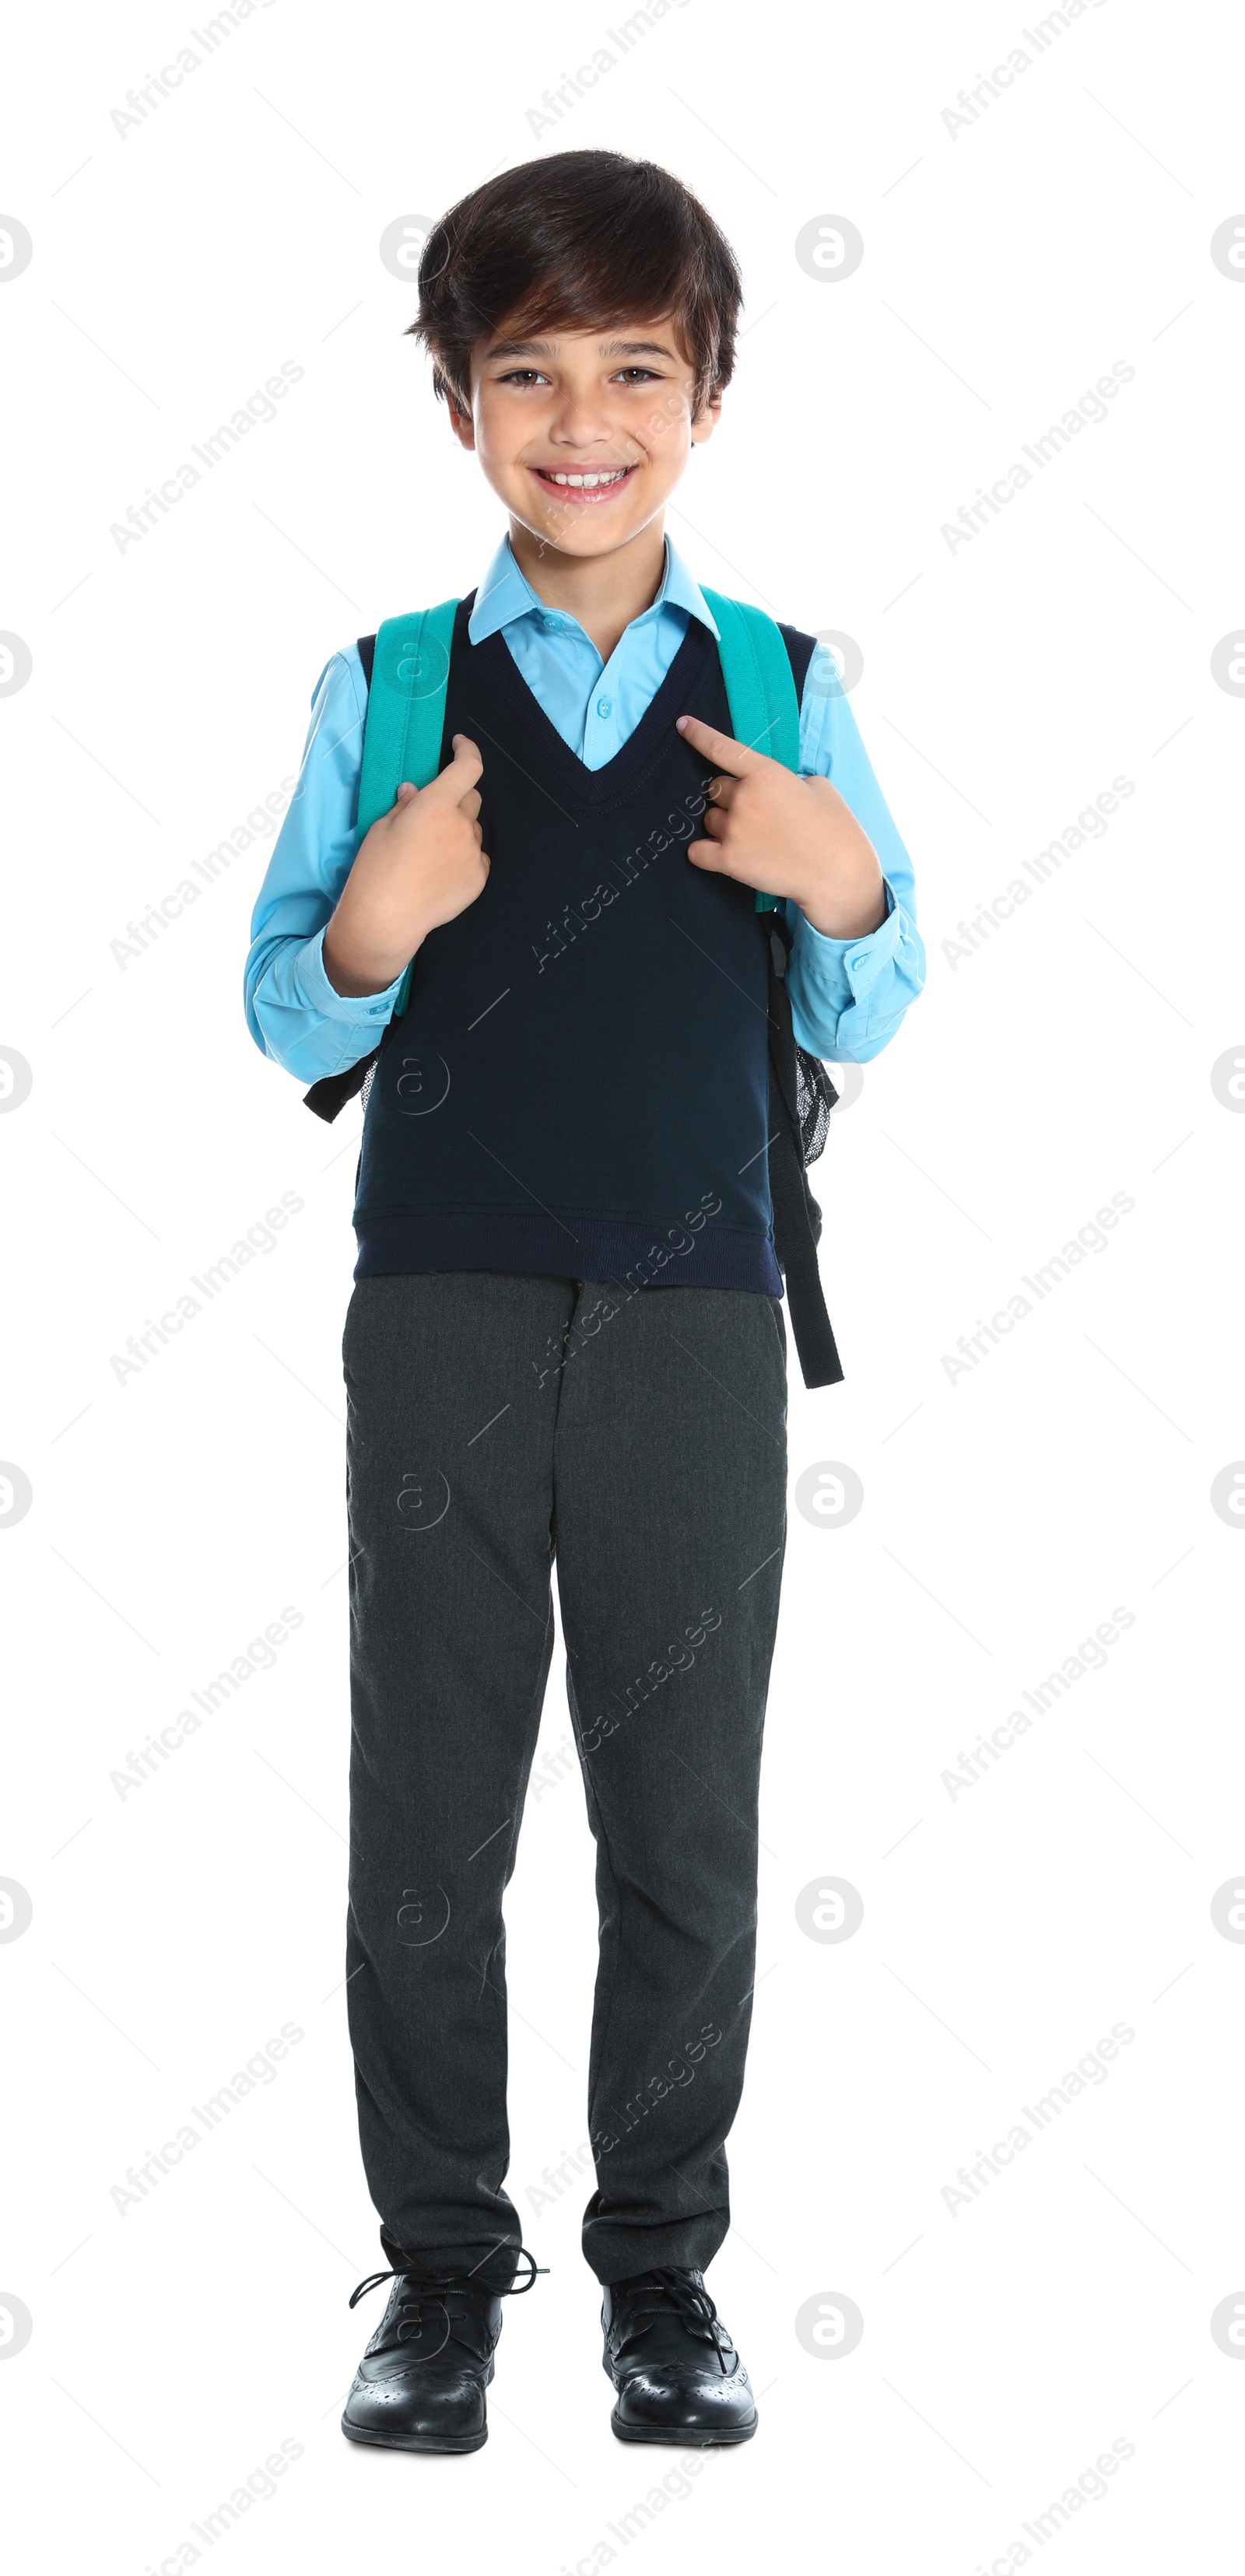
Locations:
{"points": [[506, 594]]}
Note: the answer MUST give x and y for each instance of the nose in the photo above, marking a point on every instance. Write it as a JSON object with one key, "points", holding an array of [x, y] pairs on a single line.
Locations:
{"points": [[583, 421]]}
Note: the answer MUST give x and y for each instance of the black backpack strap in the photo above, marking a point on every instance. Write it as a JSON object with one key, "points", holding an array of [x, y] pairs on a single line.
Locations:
{"points": [[800, 651], [797, 1217], [331, 1093], [333, 1090]]}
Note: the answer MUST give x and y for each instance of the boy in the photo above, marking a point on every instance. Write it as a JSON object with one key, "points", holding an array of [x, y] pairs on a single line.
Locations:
{"points": [[567, 1327]]}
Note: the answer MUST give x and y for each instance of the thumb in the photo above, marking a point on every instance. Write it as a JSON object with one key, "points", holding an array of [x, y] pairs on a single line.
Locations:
{"points": [[452, 783], [464, 769]]}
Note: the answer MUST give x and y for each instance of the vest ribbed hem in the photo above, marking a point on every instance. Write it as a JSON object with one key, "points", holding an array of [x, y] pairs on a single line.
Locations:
{"points": [[578, 1248]]}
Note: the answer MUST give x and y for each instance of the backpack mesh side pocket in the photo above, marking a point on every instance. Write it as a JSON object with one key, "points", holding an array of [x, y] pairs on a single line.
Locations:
{"points": [[815, 1098]]}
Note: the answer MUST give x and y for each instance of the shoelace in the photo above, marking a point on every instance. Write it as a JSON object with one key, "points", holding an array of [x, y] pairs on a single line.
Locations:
{"points": [[435, 2289], [694, 2309]]}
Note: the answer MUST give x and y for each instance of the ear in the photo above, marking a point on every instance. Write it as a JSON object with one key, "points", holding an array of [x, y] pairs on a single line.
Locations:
{"points": [[463, 426], [707, 418]]}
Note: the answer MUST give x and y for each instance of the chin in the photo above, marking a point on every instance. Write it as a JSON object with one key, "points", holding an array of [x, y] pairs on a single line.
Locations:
{"points": [[581, 537]]}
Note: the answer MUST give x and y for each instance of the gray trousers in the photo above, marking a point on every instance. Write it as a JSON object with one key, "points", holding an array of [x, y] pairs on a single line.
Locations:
{"points": [[495, 1419]]}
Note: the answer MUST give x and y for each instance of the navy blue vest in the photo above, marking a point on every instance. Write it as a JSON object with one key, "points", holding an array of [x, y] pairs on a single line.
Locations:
{"points": [[580, 1083]]}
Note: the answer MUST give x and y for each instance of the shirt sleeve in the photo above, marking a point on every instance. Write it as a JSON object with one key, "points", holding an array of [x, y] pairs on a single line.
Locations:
{"points": [[292, 1010], [848, 996]]}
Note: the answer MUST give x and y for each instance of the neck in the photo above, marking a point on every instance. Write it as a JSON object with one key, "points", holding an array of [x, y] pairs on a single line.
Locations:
{"points": [[604, 592]]}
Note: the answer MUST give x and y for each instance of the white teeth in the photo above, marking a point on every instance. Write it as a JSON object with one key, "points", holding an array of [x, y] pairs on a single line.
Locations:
{"points": [[588, 482]]}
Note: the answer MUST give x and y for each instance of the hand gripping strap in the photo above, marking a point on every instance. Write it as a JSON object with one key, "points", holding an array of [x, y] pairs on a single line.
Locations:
{"points": [[760, 689], [401, 739], [405, 717]]}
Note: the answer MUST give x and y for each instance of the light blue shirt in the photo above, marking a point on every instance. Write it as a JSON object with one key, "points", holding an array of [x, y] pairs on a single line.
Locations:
{"points": [[848, 996]]}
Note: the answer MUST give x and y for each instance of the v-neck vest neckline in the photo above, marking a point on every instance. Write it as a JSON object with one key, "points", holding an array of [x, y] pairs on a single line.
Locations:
{"points": [[589, 786]]}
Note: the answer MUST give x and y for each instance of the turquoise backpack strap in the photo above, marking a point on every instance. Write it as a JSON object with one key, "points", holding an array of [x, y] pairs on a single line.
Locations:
{"points": [[405, 716], [405, 707], [760, 690]]}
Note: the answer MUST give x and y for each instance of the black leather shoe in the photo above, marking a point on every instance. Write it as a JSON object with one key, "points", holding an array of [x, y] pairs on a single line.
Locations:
{"points": [[420, 2385], [677, 2373]]}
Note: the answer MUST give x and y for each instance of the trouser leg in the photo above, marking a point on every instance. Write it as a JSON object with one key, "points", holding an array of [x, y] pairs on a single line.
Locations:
{"points": [[450, 1482], [670, 1518]]}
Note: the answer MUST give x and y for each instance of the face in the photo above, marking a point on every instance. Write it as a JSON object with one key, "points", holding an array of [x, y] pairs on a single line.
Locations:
{"points": [[584, 434]]}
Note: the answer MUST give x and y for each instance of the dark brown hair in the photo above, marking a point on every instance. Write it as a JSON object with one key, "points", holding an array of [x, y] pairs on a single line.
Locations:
{"points": [[577, 241]]}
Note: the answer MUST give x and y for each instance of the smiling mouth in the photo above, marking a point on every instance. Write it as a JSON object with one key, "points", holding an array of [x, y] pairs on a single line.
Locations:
{"points": [[599, 484]]}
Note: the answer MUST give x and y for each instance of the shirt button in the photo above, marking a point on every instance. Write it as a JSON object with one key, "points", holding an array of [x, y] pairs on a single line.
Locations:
{"points": [[552, 625], [605, 706]]}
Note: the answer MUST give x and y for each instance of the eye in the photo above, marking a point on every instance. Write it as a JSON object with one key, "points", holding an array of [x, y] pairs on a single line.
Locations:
{"points": [[523, 376], [638, 376]]}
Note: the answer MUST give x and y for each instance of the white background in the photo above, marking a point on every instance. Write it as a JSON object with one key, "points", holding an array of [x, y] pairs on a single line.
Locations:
{"points": [[1006, 1513]]}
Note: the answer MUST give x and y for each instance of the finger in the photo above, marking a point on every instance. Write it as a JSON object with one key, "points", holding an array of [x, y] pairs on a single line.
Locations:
{"points": [[405, 792], [719, 747], [706, 855], [470, 804], [722, 792], [713, 824], [464, 769]]}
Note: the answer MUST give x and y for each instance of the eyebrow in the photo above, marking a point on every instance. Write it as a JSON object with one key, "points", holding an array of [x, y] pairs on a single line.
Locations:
{"points": [[608, 349]]}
